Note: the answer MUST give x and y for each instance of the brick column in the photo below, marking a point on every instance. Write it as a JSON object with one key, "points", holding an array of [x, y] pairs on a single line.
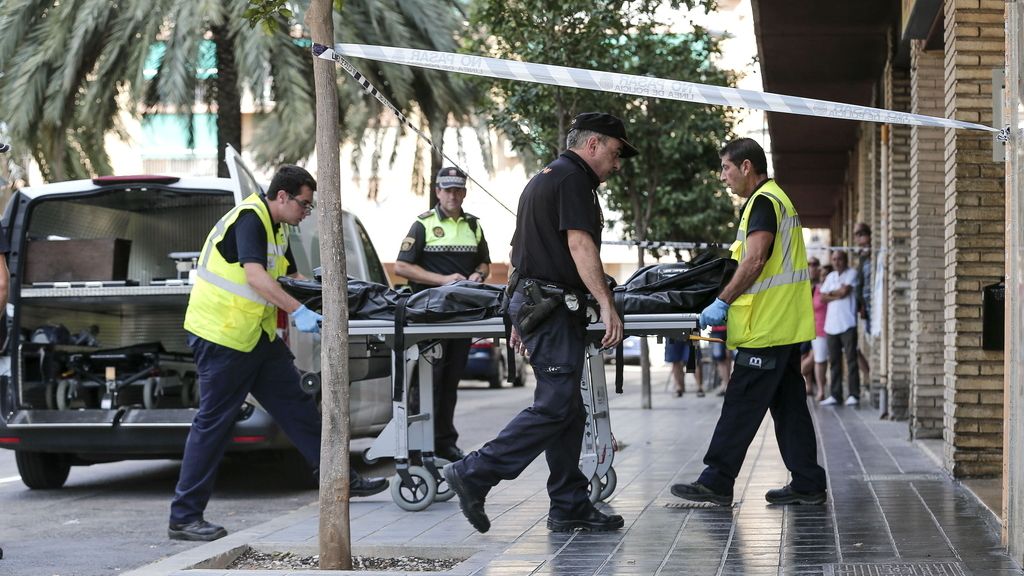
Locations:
{"points": [[897, 254], [927, 195], [974, 239]]}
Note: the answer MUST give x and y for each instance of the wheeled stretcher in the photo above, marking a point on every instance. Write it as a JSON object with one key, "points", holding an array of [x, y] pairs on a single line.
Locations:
{"points": [[415, 486]]}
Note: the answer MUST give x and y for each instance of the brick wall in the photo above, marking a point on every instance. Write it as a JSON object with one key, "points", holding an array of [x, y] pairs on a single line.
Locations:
{"points": [[974, 242], [927, 195], [897, 254]]}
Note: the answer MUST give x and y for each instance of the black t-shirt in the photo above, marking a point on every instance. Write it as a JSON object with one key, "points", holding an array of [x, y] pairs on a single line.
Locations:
{"points": [[762, 217], [246, 241], [445, 259], [5, 246], [561, 197]]}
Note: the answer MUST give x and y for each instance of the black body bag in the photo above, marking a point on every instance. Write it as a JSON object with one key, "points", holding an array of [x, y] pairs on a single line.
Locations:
{"points": [[366, 300], [681, 287]]}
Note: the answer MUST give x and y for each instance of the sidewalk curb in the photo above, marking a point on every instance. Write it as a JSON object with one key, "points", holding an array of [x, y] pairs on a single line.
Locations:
{"points": [[227, 545]]}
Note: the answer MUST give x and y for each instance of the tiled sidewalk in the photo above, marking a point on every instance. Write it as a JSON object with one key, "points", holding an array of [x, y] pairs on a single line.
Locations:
{"points": [[891, 510]]}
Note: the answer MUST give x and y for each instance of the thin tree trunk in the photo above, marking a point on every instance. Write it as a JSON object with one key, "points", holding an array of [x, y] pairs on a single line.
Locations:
{"points": [[335, 535], [228, 97]]}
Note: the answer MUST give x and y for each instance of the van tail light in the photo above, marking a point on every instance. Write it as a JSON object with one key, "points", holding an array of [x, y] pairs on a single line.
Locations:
{"points": [[282, 325], [10, 440], [483, 343], [248, 439]]}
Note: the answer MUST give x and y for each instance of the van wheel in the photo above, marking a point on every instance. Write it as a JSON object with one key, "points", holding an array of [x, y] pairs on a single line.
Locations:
{"points": [[41, 470]]}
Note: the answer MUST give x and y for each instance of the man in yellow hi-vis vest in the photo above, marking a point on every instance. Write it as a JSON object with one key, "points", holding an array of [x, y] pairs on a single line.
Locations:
{"points": [[232, 324], [767, 307]]}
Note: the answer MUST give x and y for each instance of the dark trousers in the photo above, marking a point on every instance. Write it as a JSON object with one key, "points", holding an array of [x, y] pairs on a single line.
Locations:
{"points": [[752, 391], [447, 374], [226, 377], [552, 425], [844, 346]]}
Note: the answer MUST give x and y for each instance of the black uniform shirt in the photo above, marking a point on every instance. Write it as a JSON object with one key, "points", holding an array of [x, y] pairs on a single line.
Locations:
{"points": [[561, 197], [246, 241], [762, 217]]}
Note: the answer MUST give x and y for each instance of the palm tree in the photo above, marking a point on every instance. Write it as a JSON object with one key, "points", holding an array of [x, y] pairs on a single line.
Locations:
{"points": [[72, 67]]}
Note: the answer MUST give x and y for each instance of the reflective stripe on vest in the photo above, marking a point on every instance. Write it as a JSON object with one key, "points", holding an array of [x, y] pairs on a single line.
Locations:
{"points": [[776, 309], [458, 235], [223, 308]]}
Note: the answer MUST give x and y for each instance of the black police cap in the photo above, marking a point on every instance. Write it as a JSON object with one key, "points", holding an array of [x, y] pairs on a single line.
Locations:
{"points": [[605, 124]]}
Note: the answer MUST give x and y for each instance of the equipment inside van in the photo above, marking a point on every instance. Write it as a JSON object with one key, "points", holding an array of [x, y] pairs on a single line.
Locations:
{"points": [[97, 366]]}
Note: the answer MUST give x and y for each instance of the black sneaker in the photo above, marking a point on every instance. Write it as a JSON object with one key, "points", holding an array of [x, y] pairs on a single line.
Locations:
{"points": [[786, 495], [697, 492], [200, 530], [594, 520], [472, 505], [363, 486]]}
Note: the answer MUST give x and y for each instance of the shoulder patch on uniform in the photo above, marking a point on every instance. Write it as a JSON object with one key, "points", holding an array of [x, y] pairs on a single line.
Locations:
{"points": [[425, 214], [408, 243], [546, 171]]}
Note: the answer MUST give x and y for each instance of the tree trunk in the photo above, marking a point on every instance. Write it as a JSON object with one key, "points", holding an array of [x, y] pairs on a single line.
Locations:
{"points": [[228, 97], [335, 535]]}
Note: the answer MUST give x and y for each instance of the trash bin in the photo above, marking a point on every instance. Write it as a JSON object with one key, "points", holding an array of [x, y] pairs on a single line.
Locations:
{"points": [[992, 311]]}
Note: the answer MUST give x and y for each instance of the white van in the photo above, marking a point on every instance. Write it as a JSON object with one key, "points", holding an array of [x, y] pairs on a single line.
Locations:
{"points": [[95, 366]]}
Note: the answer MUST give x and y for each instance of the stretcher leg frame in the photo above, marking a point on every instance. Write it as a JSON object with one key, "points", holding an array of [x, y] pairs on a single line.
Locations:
{"points": [[598, 450]]}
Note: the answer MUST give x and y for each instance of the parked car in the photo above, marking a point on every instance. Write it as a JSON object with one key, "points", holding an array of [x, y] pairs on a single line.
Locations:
{"points": [[630, 351], [96, 367], [488, 360]]}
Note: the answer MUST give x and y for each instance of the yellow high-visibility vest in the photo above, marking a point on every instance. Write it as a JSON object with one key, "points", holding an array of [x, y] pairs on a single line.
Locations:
{"points": [[777, 308], [448, 234], [223, 308]]}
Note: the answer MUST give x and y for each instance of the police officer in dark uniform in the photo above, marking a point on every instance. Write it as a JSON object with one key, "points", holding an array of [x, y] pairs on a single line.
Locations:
{"points": [[556, 255], [768, 308], [232, 323], [444, 245]]}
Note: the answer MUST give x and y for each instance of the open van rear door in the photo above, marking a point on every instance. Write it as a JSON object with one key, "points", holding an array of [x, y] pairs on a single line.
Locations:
{"points": [[241, 177]]}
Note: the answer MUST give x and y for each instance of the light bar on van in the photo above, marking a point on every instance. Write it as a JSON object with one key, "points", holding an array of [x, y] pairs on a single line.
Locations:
{"points": [[134, 179]]}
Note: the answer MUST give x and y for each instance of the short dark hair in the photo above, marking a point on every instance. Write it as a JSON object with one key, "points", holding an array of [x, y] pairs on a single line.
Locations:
{"points": [[861, 228], [742, 149], [291, 179]]}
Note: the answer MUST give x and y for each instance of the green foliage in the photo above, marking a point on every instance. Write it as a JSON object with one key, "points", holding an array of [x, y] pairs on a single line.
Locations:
{"points": [[670, 191], [72, 67]]}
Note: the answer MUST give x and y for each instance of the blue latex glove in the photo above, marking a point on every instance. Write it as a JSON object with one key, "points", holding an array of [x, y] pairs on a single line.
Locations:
{"points": [[714, 315], [306, 320]]}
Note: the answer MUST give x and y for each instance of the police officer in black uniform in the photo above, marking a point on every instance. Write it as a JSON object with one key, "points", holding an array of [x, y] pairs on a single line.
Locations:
{"points": [[444, 245], [556, 254]]}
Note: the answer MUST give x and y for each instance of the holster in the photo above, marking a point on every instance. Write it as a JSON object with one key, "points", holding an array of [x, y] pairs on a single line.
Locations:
{"points": [[537, 308]]}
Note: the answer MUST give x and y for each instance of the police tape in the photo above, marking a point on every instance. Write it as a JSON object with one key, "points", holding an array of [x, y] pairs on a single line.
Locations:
{"points": [[664, 244], [321, 51], [649, 86]]}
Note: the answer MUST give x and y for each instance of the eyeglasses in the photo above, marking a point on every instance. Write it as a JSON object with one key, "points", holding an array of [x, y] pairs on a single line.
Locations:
{"points": [[307, 205]]}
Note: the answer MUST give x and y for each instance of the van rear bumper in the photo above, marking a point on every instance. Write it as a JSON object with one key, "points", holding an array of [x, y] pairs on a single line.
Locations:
{"points": [[120, 434]]}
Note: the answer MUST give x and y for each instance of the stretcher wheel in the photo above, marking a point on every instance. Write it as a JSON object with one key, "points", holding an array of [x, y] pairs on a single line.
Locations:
{"points": [[608, 483], [366, 457], [594, 490], [444, 492], [418, 494]]}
